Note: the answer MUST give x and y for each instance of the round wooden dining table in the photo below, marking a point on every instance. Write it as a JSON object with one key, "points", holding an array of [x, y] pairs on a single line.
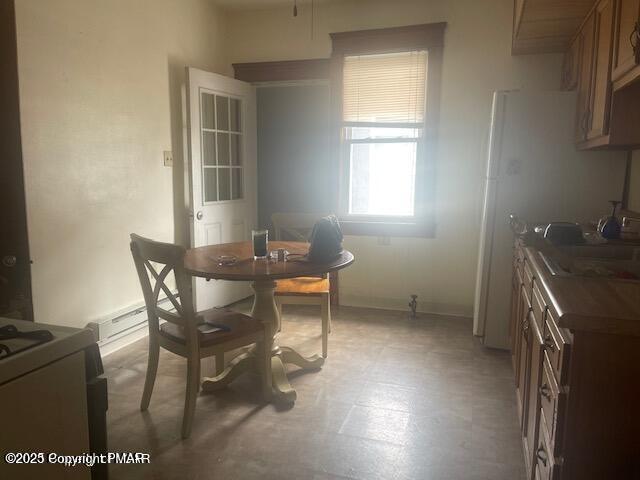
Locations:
{"points": [[262, 273]]}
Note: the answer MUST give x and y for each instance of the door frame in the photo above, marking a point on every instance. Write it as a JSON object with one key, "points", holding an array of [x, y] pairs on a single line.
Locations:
{"points": [[12, 183]]}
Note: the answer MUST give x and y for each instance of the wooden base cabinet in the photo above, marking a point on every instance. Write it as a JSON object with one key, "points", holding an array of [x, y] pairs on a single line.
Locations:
{"points": [[578, 392]]}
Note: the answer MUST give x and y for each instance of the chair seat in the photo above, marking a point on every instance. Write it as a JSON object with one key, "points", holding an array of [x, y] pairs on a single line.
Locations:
{"points": [[302, 286], [239, 325]]}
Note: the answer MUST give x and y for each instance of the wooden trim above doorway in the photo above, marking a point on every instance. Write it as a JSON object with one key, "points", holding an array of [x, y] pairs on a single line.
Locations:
{"points": [[287, 70]]}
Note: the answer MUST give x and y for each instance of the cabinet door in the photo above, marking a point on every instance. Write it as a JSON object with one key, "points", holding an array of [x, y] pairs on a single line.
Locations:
{"points": [[586, 39], [514, 327], [571, 65], [598, 117], [523, 357], [533, 400], [625, 56]]}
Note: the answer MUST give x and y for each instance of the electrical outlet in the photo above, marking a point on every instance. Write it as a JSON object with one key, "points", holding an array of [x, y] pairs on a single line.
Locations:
{"points": [[168, 158]]}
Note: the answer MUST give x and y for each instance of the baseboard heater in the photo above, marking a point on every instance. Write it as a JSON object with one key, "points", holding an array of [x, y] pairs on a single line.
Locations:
{"points": [[125, 321]]}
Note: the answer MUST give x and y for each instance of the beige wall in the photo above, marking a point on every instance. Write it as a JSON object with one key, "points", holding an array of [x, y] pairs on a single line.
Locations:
{"points": [[477, 61], [634, 182], [100, 101]]}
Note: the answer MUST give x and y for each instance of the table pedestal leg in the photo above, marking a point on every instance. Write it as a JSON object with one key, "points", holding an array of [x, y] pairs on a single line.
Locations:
{"points": [[264, 305], [265, 309], [283, 389], [289, 355], [239, 365]]}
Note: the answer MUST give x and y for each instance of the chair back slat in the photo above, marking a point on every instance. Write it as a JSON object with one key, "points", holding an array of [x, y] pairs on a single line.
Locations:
{"points": [[147, 252], [294, 226], [160, 285]]}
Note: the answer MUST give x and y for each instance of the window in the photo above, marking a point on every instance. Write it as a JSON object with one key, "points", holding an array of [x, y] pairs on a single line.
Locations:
{"points": [[385, 107], [383, 118]]}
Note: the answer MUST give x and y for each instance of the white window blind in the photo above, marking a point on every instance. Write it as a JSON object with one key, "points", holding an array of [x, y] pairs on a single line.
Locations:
{"points": [[385, 88]]}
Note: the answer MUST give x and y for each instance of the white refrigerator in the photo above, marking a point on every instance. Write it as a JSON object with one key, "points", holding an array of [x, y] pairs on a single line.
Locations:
{"points": [[534, 171]]}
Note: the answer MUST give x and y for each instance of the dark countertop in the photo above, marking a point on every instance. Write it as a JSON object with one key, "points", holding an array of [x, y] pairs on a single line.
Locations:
{"points": [[587, 303]]}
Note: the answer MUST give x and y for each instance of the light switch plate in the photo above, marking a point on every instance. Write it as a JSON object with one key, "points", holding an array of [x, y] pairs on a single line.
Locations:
{"points": [[168, 158]]}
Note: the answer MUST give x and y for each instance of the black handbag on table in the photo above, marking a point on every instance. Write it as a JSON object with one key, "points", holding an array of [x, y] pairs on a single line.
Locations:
{"points": [[326, 240]]}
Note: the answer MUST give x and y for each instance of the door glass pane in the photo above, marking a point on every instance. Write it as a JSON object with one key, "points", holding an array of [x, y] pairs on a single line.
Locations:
{"points": [[236, 183], [222, 112], [210, 185], [223, 149], [208, 112], [224, 183], [208, 148], [235, 115], [236, 151]]}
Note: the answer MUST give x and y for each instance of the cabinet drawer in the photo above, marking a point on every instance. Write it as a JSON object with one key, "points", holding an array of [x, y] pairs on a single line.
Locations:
{"points": [[539, 308], [556, 348], [552, 403], [542, 456]]}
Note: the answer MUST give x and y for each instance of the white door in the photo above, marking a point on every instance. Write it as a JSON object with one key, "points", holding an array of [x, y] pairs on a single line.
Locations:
{"points": [[221, 131]]}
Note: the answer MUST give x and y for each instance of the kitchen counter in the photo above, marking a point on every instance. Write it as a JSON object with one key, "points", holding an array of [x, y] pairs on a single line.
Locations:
{"points": [[66, 341], [575, 349], [595, 304], [54, 400]]}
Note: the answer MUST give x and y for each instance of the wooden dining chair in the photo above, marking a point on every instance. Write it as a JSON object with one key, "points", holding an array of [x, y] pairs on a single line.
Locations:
{"points": [[303, 290], [192, 335]]}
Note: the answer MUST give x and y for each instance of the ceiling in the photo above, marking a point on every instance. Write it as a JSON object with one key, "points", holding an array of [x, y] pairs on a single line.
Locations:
{"points": [[545, 26]]}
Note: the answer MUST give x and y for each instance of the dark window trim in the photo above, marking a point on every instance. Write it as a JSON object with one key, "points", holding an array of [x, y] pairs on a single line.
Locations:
{"points": [[412, 37], [387, 40]]}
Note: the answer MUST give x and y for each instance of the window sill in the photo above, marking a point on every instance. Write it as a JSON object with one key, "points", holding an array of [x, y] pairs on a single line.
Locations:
{"points": [[387, 228]]}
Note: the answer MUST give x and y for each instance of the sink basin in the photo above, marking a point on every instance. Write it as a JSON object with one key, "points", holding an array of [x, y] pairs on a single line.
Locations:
{"points": [[616, 263]]}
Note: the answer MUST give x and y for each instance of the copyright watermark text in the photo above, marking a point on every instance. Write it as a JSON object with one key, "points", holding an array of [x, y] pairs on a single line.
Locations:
{"points": [[86, 459]]}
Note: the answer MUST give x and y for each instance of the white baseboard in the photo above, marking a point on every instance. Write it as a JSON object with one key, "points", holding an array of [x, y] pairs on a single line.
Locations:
{"points": [[121, 340]]}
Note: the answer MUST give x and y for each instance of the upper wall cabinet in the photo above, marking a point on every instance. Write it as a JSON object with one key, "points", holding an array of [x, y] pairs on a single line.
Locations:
{"points": [[626, 52], [571, 64], [598, 112], [606, 51], [545, 26], [584, 76]]}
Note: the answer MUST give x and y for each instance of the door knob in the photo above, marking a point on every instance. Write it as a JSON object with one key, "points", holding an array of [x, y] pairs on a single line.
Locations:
{"points": [[9, 260], [199, 215]]}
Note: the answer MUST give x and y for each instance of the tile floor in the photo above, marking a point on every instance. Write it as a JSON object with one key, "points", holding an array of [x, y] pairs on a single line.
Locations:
{"points": [[397, 399]]}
